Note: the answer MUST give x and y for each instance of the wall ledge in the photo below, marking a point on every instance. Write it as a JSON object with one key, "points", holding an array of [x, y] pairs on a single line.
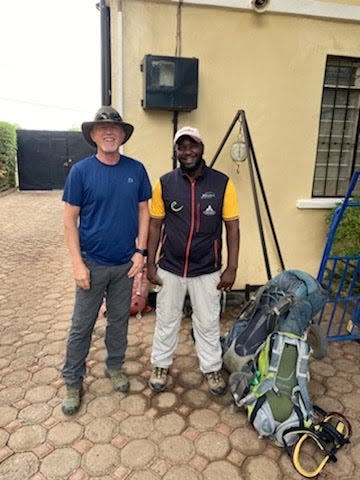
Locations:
{"points": [[320, 203]]}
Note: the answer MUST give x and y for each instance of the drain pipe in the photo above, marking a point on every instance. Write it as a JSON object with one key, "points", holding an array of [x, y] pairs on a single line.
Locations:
{"points": [[105, 53]]}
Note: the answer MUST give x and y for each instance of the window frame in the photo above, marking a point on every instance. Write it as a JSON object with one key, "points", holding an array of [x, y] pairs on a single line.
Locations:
{"points": [[338, 147]]}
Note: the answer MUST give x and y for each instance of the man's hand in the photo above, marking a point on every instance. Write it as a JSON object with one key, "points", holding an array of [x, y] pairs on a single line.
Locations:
{"points": [[227, 279], [152, 275], [82, 276], [137, 266]]}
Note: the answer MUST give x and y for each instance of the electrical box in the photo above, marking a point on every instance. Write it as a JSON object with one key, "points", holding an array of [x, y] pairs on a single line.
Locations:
{"points": [[170, 83]]}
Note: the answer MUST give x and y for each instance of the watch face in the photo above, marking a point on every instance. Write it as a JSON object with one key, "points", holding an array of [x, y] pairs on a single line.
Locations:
{"points": [[238, 151]]}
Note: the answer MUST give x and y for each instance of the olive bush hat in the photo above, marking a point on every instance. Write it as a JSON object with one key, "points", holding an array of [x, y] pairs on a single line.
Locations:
{"points": [[106, 115]]}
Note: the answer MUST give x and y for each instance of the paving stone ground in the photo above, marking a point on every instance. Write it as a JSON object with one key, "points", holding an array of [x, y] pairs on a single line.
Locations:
{"points": [[182, 434]]}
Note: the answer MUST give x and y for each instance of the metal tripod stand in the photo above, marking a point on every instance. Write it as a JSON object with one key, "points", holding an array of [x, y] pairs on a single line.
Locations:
{"points": [[255, 178]]}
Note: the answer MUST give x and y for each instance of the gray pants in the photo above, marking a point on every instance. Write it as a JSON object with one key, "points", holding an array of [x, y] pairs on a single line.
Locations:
{"points": [[116, 285]]}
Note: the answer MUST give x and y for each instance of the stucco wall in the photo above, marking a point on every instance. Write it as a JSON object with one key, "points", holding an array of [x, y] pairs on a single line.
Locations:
{"points": [[269, 65]]}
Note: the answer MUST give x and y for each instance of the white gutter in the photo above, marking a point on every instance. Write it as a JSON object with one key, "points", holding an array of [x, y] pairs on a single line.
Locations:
{"points": [[307, 8]]}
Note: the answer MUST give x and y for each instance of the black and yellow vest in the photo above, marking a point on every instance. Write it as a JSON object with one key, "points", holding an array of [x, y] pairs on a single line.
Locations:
{"points": [[192, 235]]}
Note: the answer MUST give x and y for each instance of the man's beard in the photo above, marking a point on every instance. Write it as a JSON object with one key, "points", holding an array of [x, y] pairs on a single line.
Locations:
{"points": [[191, 168]]}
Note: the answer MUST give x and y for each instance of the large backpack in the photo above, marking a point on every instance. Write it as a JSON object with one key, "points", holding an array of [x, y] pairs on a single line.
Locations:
{"points": [[267, 352]]}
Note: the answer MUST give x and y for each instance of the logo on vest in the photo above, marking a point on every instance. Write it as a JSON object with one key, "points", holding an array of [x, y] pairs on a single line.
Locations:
{"points": [[209, 211], [175, 207], [207, 195]]}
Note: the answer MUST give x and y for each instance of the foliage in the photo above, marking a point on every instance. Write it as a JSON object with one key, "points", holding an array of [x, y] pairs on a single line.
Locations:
{"points": [[8, 147], [347, 236]]}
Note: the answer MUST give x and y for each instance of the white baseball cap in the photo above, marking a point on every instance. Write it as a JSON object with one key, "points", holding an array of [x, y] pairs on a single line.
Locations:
{"points": [[189, 132]]}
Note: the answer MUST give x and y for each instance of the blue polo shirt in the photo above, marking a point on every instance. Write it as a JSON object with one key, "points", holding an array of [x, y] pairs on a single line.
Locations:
{"points": [[108, 197]]}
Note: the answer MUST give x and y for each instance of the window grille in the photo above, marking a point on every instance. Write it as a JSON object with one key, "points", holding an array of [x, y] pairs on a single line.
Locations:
{"points": [[338, 149]]}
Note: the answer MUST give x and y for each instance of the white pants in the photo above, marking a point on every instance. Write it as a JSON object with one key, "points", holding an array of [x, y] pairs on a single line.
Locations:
{"points": [[205, 301]]}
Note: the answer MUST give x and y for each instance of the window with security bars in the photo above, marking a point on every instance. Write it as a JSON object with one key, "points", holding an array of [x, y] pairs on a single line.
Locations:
{"points": [[338, 149]]}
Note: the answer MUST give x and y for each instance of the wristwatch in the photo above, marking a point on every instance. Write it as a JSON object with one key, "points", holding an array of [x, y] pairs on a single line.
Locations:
{"points": [[143, 251]]}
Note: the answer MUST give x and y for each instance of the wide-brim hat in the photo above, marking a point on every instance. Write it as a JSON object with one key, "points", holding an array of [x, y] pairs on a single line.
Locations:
{"points": [[106, 115]]}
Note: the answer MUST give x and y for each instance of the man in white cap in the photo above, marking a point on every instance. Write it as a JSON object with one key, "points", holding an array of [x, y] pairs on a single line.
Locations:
{"points": [[106, 222], [188, 209]]}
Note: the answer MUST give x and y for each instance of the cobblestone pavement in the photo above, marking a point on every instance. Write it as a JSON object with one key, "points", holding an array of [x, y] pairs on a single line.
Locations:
{"points": [[184, 433]]}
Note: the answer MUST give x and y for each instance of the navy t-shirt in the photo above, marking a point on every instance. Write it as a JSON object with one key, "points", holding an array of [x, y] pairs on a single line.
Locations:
{"points": [[108, 197]]}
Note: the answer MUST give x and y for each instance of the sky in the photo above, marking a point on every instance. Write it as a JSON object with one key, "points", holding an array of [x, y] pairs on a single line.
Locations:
{"points": [[50, 63]]}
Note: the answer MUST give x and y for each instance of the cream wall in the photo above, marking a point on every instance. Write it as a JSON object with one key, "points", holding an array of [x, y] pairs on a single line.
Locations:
{"points": [[269, 65]]}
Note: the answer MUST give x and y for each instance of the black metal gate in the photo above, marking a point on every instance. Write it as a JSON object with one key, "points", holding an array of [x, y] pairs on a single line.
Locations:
{"points": [[45, 157]]}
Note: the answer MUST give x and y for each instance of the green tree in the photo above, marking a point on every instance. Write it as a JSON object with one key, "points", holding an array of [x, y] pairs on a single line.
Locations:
{"points": [[8, 148]]}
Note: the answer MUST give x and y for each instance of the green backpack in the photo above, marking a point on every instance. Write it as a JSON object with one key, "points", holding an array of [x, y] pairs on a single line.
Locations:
{"points": [[270, 378], [278, 397], [273, 383]]}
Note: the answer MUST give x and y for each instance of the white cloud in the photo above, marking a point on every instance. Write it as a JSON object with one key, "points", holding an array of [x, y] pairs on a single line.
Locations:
{"points": [[50, 67]]}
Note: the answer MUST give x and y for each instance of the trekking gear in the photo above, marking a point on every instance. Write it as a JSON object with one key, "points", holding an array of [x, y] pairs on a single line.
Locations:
{"points": [[278, 398], [331, 433], [288, 301], [267, 352], [158, 379], [118, 379], [71, 401], [140, 293], [217, 385]]}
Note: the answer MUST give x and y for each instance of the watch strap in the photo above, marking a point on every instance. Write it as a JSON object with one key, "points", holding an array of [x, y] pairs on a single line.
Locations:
{"points": [[143, 251]]}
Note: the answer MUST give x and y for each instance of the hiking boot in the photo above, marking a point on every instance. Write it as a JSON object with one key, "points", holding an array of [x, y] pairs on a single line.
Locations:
{"points": [[217, 385], [158, 379], [118, 379], [71, 401]]}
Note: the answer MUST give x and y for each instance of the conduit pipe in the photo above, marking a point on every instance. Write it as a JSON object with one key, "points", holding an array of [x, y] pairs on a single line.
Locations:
{"points": [[105, 53]]}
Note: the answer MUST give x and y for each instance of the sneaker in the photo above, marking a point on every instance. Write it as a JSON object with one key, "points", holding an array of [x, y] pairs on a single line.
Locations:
{"points": [[158, 379], [118, 379], [71, 401], [217, 385]]}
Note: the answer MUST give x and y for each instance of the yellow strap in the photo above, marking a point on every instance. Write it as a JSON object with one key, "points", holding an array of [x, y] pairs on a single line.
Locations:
{"points": [[340, 427], [296, 460]]}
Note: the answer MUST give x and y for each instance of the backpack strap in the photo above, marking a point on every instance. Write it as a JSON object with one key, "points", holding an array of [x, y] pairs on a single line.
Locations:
{"points": [[302, 368], [267, 382], [259, 403], [300, 394], [284, 303], [251, 305], [333, 432]]}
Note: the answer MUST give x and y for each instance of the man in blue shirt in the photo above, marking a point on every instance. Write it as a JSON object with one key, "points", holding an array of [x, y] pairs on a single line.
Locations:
{"points": [[106, 221]]}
